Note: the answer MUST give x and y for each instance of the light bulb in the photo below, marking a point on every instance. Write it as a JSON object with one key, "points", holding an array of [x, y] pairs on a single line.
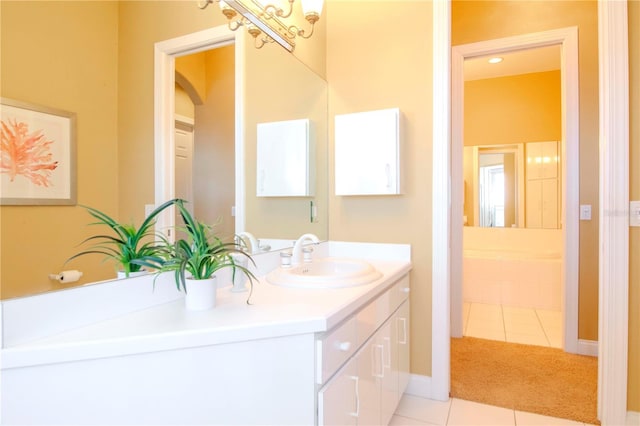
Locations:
{"points": [[312, 6]]}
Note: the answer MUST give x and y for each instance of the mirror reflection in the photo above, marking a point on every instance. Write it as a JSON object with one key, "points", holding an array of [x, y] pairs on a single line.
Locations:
{"points": [[512, 127], [513, 186], [497, 188], [277, 88]]}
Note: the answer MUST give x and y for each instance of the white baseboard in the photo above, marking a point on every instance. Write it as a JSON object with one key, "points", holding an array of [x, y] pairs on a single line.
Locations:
{"points": [[419, 386], [588, 347], [633, 418]]}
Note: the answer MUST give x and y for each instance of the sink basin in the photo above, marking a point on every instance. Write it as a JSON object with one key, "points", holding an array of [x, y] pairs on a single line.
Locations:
{"points": [[325, 273]]}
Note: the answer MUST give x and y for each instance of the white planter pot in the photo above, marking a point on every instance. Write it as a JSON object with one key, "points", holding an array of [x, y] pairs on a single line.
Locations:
{"points": [[201, 294]]}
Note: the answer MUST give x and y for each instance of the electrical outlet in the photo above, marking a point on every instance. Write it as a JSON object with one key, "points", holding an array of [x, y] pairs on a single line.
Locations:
{"points": [[585, 211], [634, 213]]}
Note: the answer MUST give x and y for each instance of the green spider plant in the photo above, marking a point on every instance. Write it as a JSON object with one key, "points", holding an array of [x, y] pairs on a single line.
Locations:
{"points": [[125, 243], [197, 257]]}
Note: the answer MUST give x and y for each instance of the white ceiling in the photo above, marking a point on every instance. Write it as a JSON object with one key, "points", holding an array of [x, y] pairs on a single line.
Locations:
{"points": [[519, 62]]}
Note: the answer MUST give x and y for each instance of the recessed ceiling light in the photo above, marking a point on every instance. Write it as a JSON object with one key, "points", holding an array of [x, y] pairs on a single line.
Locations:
{"points": [[495, 60]]}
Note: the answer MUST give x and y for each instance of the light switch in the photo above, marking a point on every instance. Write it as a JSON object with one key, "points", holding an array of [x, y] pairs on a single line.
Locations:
{"points": [[634, 213], [585, 211]]}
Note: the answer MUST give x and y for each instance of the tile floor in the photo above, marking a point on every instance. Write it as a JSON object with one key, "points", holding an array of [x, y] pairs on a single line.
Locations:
{"points": [[515, 325], [494, 322], [415, 411]]}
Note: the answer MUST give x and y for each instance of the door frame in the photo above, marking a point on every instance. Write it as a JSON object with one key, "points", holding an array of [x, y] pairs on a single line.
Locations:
{"points": [[614, 244], [613, 298], [164, 105], [567, 39]]}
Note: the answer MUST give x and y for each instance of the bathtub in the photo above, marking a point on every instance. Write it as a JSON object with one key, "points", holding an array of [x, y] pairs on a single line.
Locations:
{"points": [[527, 279]]}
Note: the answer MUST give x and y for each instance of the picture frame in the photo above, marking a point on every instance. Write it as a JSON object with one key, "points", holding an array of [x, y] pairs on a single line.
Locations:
{"points": [[37, 155]]}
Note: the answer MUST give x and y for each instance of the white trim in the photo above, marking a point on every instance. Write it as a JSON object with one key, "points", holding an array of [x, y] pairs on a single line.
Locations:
{"points": [[587, 347], [613, 322], [633, 418], [440, 331], [164, 104], [183, 119], [567, 38], [419, 386]]}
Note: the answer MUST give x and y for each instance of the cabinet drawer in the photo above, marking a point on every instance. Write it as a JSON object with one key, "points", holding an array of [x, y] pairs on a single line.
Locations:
{"points": [[334, 349], [338, 400]]}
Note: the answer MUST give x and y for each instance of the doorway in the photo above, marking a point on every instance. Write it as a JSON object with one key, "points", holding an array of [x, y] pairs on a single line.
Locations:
{"points": [[512, 234], [567, 39]]}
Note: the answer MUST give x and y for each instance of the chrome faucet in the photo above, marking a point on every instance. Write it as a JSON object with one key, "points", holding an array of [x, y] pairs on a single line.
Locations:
{"points": [[296, 256], [249, 241]]}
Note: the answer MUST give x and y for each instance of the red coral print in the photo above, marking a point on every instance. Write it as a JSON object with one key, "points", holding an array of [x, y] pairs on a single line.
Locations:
{"points": [[25, 153]]}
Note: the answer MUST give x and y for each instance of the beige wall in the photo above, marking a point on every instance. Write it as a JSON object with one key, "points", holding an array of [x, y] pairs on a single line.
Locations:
{"points": [[633, 396], [484, 20], [288, 91], [192, 75], [391, 69], [61, 55], [214, 156], [514, 109], [184, 105]]}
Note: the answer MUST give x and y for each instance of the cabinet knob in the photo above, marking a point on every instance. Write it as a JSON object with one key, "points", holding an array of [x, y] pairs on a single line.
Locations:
{"points": [[344, 346], [406, 289]]}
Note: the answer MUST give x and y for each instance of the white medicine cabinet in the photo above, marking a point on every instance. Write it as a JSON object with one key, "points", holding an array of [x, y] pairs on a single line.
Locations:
{"points": [[285, 159], [367, 153]]}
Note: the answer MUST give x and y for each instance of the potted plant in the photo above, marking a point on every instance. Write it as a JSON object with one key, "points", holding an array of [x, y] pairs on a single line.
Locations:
{"points": [[125, 243], [195, 260]]}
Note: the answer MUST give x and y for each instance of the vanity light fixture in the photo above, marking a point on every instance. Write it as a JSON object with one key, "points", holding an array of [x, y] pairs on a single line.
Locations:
{"points": [[496, 60], [265, 22]]}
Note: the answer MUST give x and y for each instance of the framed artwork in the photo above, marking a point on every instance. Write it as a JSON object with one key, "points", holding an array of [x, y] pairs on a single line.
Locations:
{"points": [[37, 155]]}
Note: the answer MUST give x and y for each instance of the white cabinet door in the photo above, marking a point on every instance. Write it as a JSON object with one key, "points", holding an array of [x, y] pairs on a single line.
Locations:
{"points": [[338, 402], [367, 390], [404, 349], [534, 204], [388, 337], [550, 203], [370, 372], [367, 153], [549, 151]]}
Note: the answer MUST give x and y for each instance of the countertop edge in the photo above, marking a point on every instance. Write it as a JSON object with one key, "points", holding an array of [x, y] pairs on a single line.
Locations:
{"points": [[42, 352]]}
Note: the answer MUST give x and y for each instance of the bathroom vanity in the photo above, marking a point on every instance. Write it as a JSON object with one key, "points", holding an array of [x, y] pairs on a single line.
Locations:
{"points": [[292, 356]]}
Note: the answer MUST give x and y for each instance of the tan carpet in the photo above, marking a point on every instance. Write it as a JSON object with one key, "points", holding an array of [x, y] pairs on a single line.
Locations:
{"points": [[528, 378]]}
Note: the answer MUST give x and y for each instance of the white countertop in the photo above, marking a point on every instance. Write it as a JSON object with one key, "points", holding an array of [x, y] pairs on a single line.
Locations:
{"points": [[274, 311]]}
